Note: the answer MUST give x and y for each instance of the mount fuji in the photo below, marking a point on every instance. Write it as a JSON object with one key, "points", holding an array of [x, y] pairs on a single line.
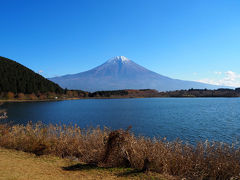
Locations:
{"points": [[123, 73]]}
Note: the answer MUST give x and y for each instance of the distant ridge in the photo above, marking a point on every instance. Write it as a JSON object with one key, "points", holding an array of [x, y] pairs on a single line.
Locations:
{"points": [[17, 78], [122, 73]]}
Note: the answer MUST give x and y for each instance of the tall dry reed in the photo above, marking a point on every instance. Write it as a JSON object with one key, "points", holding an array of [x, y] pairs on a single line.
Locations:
{"points": [[206, 160]]}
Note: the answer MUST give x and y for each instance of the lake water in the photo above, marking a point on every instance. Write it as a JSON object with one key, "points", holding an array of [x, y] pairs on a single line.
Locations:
{"points": [[190, 119]]}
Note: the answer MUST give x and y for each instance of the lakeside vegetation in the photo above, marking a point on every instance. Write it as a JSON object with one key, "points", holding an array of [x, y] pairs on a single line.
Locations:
{"points": [[202, 93], [120, 148], [128, 93], [67, 94], [131, 93]]}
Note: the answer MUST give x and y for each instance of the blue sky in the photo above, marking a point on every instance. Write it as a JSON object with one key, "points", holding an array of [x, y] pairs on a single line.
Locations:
{"points": [[191, 40]]}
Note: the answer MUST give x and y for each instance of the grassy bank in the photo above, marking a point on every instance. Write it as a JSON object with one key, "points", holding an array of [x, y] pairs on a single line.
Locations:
{"points": [[105, 149], [20, 165]]}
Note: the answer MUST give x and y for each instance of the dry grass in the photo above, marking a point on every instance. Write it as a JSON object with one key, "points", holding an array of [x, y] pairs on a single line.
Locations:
{"points": [[24, 166], [122, 149]]}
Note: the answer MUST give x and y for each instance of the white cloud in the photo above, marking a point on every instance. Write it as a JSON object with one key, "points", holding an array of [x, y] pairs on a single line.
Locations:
{"points": [[230, 78]]}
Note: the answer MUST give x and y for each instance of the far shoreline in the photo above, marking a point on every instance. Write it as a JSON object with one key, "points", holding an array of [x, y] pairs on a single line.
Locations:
{"points": [[37, 100], [67, 99]]}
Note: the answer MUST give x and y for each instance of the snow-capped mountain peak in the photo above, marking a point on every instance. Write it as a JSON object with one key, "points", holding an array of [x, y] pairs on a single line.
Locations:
{"points": [[122, 59]]}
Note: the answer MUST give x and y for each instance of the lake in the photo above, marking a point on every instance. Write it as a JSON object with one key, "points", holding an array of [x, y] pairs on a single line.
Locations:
{"points": [[190, 119]]}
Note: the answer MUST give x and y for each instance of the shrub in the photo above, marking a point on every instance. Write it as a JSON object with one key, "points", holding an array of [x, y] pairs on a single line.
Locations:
{"points": [[21, 96], [10, 95], [32, 96]]}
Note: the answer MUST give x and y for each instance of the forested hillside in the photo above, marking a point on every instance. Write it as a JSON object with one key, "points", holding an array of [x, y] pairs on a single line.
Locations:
{"points": [[16, 78]]}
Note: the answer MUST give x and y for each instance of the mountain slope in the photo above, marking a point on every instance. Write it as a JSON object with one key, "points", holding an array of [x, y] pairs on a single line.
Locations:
{"points": [[122, 73], [17, 78]]}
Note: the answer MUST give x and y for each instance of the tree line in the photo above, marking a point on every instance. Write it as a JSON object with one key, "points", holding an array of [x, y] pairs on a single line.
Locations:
{"points": [[17, 78], [222, 92]]}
